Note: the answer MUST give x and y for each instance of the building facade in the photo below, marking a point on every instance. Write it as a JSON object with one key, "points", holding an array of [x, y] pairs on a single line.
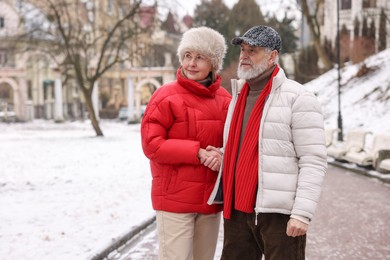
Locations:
{"points": [[351, 11], [33, 85]]}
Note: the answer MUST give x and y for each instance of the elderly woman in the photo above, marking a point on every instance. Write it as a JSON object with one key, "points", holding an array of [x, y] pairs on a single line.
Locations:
{"points": [[182, 118]]}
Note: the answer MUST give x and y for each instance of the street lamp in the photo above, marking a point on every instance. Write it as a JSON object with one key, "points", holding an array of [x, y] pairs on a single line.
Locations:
{"points": [[339, 118]]}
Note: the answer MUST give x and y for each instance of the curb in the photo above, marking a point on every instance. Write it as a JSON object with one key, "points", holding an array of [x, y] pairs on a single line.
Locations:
{"points": [[361, 170], [123, 239]]}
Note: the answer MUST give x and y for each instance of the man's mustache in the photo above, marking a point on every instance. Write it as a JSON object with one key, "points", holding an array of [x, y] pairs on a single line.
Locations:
{"points": [[246, 62]]}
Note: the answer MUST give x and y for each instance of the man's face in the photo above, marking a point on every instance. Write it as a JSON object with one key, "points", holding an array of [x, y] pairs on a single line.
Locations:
{"points": [[253, 61]]}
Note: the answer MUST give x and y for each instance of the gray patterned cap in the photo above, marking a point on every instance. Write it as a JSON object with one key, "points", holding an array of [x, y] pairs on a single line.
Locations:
{"points": [[260, 36]]}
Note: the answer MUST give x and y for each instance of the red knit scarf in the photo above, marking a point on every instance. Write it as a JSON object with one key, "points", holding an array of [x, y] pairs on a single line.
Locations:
{"points": [[243, 172]]}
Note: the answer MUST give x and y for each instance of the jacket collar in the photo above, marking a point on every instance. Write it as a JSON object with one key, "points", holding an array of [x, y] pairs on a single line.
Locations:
{"points": [[196, 87]]}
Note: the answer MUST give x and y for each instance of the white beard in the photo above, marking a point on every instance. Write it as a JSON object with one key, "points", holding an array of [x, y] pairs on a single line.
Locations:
{"points": [[253, 72]]}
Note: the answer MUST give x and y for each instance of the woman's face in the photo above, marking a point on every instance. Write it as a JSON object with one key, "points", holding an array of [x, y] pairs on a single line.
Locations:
{"points": [[196, 66]]}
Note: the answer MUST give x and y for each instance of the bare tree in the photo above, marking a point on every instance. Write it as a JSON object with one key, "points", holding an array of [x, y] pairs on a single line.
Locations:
{"points": [[89, 37], [315, 32]]}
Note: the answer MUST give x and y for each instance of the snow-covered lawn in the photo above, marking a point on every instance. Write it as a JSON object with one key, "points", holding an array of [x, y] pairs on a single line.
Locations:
{"points": [[66, 194]]}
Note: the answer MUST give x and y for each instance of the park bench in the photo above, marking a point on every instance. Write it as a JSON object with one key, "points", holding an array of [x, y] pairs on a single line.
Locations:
{"points": [[369, 157], [382, 163], [355, 141], [329, 135]]}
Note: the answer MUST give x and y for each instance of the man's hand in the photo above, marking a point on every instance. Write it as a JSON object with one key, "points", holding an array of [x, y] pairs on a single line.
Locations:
{"points": [[213, 148], [296, 228], [210, 157]]}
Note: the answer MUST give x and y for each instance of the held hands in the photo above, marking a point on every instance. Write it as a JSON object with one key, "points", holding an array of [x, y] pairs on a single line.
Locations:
{"points": [[296, 228], [210, 157]]}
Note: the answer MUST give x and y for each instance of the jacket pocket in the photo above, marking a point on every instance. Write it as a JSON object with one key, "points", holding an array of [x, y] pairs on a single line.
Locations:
{"points": [[169, 181]]}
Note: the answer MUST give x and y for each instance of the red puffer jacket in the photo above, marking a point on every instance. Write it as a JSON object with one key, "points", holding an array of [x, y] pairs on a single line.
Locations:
{"points": [[182, 117]]}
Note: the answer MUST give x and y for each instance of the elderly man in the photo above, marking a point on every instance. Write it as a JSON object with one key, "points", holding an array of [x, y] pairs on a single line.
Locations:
{"points": [[274, 158]]}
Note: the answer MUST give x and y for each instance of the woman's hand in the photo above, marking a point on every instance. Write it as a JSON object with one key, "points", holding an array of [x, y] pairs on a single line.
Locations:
{"points": [[210, 157]]}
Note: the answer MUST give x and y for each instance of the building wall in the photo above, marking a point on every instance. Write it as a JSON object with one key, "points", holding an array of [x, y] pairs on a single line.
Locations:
{"points": [[347, 17], [9, 20]]}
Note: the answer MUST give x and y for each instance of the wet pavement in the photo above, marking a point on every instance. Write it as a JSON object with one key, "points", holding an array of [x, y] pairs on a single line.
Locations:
{"points": [[352, 222]]}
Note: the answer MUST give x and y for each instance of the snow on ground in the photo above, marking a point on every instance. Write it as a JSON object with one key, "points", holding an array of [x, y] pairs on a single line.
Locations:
{"points": [[365, 101], [66, 194]]}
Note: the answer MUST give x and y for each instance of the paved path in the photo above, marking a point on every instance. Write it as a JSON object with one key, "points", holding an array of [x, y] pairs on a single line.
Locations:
{"points": [[352, 222]]}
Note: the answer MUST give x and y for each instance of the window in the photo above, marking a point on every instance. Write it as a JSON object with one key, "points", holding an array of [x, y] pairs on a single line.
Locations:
{"points": [[29, 90], [109, 6], [3, 58], [369, 3], [1, 22], [75, 90], [346, 4]]}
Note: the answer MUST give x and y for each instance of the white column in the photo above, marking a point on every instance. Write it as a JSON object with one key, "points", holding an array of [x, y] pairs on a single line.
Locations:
{"points": [[49, 102], [58, 107], [130, 100], [22, 102], [30, 110], [167, 59], [95, 99], [138, 104]]}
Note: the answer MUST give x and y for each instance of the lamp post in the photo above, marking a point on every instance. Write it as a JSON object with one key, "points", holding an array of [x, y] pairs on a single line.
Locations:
{"points": [[339, 118]]}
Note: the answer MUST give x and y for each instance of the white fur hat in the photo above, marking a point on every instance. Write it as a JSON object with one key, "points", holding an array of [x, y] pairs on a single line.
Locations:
{"points": [[207, 42]]}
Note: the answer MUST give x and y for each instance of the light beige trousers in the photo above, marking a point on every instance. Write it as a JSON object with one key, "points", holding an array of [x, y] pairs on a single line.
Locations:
{"points": [[187, 236]]}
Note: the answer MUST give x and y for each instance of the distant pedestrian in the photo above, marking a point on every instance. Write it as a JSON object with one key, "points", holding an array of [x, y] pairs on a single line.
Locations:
{"points": [[274, 156], [182, 118]]}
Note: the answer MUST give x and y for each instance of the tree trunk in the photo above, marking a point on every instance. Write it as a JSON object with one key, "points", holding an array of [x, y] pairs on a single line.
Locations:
{"points": [[91, 112], [316, 37]]}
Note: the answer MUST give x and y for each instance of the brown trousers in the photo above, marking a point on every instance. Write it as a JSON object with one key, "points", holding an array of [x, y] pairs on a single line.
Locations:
{"points": [[245, 240]]}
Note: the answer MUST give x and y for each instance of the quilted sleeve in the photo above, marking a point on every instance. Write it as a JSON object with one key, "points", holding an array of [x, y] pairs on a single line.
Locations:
{"points": [[309, 142], [158, 119]]}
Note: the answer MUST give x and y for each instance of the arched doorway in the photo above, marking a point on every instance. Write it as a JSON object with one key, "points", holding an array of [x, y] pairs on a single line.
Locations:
{"points": [[147, 91], [9, 102], [6, 98], [143, 92]]}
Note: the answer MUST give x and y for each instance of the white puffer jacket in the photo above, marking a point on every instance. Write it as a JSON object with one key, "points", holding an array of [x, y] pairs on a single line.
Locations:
{"points": [[292, 155]]}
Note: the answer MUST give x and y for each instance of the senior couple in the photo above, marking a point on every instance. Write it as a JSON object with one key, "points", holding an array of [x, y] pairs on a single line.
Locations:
{"points": [[258, 154]]}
